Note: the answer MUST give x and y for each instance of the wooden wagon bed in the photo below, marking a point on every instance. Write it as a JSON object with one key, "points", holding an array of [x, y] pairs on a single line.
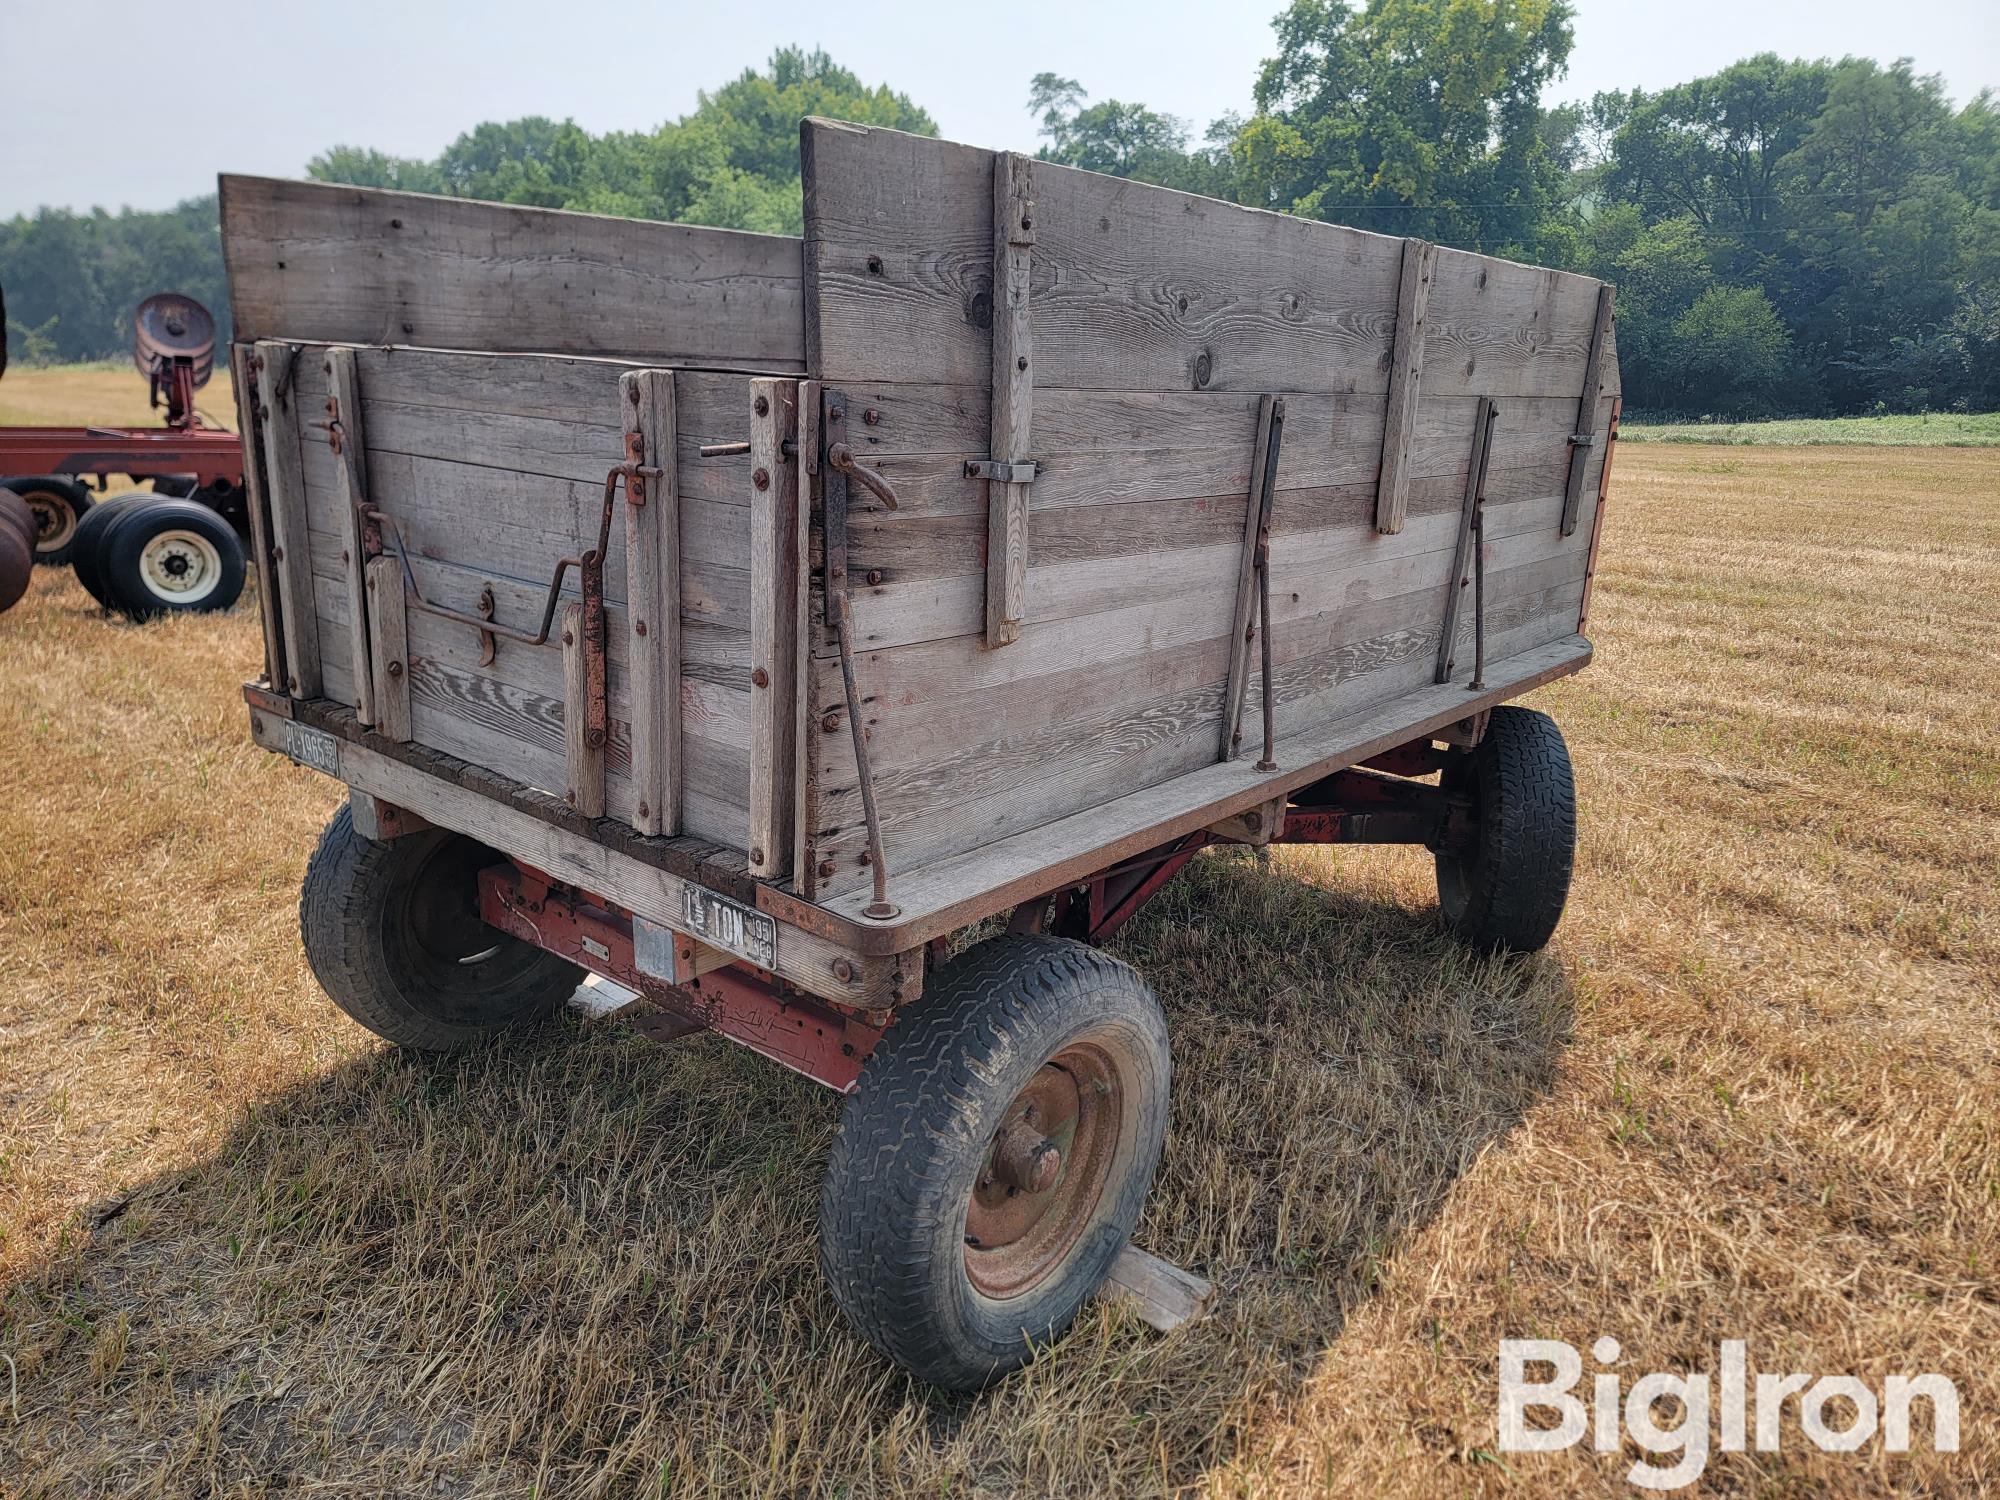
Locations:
{"points": [[1090, 400]]}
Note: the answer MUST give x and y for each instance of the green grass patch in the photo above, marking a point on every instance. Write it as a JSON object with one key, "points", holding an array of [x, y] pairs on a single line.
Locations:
{"points": [[1927, 430]]}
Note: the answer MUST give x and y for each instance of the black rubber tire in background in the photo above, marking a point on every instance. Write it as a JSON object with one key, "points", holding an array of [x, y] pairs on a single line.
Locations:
{"points": [[392, 932], [86, 551], [915, 1135], [121, 551], [18, 518], [1506, 889], [53, 490], [17, 561]]}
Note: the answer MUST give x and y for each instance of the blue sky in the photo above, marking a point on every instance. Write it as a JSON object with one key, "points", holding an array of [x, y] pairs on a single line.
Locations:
{"points": [[271, 84]]}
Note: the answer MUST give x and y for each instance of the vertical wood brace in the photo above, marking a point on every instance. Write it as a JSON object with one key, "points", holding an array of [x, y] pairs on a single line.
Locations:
{"points": [[1461, 562], [350, 483], [583, 760], [1406, 376], [1586, 411], [774, 622], [1013, 395], [389, 631], [1263, 484], [653, 599], [805, 873], [1597, 521], [249, 422], [291, 548]]}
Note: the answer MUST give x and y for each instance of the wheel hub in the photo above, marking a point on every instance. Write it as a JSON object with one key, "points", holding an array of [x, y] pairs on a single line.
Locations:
{"points": [[55, 522], [1043, 1173], [180, 566]]}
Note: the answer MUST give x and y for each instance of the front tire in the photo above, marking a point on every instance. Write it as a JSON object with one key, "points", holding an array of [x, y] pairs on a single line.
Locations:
{"points": [[393, 934], [995, 1157], [170, 557], [1504, 887]]}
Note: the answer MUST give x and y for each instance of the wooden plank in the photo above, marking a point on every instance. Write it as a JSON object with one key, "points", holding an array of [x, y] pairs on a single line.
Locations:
{"points": [[291, 548], [1459, 580], [249, 423], [947, 893], [583, 759], [1406, 375], [388, 629], [1270, 420], [1013, 395], [803, 957], [774, 622], [805, 741], [345, 438], [1586, 412], [1163, 1296], [648, 403], [336, 264]]}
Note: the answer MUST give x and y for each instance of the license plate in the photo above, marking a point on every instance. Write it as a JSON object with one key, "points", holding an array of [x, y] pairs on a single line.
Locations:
{"points": [[312, 747], [731, 926]]}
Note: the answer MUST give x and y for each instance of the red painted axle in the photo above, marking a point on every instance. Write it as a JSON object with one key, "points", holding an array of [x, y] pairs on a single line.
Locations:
{"points": [[209, 454]]}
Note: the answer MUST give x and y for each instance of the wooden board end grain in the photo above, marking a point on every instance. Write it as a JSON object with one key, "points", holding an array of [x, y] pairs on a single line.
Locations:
{"points": [[1163, 1295]]}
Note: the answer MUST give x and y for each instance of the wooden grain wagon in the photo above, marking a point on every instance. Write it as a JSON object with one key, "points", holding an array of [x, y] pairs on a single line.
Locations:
{"points": [[740, 617]]}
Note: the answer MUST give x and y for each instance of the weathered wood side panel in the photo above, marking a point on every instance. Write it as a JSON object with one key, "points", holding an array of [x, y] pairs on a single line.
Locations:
{"points": [[1159, 323], [329, 264], [493, 467]]}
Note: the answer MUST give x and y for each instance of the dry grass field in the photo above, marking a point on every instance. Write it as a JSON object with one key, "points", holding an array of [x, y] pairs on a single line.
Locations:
{"points": [[1749, 1093]]}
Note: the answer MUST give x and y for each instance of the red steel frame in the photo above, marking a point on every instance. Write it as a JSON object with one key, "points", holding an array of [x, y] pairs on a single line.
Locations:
{"points": [[182, 447], [1378, 802]]}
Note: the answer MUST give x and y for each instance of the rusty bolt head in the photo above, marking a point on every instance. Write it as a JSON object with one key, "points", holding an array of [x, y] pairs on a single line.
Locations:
{"points": [[826, 869], [569, 638], [843, 971], [762, 479], [756, 855], [830, 723], [645, 811], [760, 678], [874, 575], [761, 406], [570, 796], [871, 416], [638, 627], [332, 406], [395, 669]]}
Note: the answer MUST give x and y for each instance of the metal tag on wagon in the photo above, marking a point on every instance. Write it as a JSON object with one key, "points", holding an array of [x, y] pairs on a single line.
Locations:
{"points": [[311, 747], [731, 926]]}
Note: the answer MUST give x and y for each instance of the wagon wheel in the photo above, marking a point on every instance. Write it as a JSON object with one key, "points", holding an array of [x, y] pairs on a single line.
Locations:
{"points": [[995, 1157], [1504, 886]]}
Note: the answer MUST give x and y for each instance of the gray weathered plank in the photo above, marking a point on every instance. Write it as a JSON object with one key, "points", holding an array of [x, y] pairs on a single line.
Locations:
{"points": [[1163, 1295], [1012, 394], [1587, 425], [648, 401], [774, 622], [291, 551], [583, 757], [1406, 378], [389, 638], [243, 378], [333, 264], [345, 436]]}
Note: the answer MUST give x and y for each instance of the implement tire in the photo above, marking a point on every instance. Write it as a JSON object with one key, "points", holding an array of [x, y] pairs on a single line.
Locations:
{"points": [[1504, 889]]}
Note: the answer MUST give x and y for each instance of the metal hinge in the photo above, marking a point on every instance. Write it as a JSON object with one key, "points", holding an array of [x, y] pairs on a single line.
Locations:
{"points": [[1005, 473]]}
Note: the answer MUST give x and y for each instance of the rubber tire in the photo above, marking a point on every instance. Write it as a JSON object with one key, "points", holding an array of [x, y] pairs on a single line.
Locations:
{"points": [[17, 565], [119, 550], [914, 1134], [67, 492], [17, 518], [1507, 891], [87, 550], [351, 906]]}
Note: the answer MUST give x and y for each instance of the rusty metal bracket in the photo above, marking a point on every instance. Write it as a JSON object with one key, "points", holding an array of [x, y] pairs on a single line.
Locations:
{"points": [[840, 466]]}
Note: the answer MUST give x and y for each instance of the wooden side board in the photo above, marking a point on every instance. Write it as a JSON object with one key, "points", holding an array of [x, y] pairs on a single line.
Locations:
{"points": [[332, 264]]}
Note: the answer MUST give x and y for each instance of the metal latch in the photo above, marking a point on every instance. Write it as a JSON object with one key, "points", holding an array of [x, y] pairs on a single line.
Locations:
{"points": [[1006, 473]]}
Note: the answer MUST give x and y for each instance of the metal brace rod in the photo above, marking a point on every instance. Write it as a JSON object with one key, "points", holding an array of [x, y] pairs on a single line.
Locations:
{"points": [[840, 466]]}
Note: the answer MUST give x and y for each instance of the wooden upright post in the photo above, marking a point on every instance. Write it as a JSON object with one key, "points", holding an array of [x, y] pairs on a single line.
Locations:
{"points": [[774, 621], [653, 599], [1406, 378], [1013, 395], [1586, 411], [350, 486], [291, 547], [250, 422]]}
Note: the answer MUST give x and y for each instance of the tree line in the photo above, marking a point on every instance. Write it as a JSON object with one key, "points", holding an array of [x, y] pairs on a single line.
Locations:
{"points": [[1803, 237]]}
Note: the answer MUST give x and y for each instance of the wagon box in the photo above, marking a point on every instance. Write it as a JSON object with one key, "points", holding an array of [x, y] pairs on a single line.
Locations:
{"points": [[741, 617]]}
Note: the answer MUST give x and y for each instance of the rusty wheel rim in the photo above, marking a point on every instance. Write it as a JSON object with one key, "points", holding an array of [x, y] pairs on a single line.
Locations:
{"points": [[1044, 1172]]}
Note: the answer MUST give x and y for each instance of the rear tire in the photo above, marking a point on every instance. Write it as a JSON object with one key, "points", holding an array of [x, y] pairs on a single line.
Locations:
{"points": [[995, 1157], [1504, 889], [17, 558], [170, 557], [59, 506], [393, 934], [86, 553]]}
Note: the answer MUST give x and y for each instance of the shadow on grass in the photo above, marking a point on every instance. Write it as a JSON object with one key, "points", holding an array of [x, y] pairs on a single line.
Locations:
{"points": [[585, 1262]]}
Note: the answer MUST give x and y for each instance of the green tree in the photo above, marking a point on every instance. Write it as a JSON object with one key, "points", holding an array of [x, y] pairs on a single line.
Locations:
{"points": [[1732, 351]]}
